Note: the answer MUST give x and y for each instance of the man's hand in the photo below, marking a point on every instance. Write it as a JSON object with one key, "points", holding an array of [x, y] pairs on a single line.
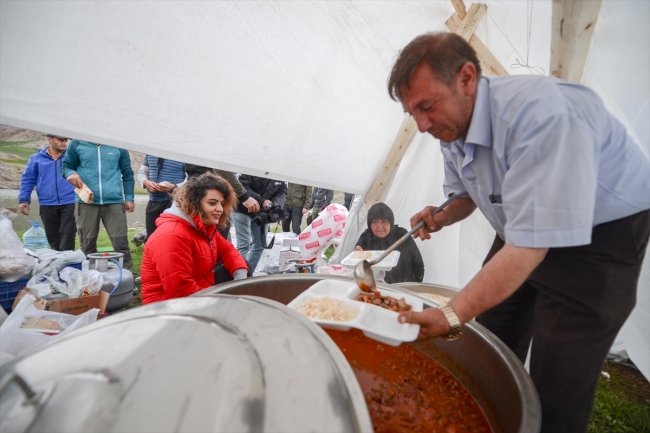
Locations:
{"points": [[75, 180], [456, 211], [267, 204], [24, 208], [251, 204], [151, 186], [168, 187], [358, 248], [498, 279], [432, 322], [129, 206], [304, 210], [432, 223]]}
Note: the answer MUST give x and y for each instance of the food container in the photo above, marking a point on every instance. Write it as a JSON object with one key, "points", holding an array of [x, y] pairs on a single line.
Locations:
{"points": [[479, 360], [375, 322], [388, 262], [201, 364]]}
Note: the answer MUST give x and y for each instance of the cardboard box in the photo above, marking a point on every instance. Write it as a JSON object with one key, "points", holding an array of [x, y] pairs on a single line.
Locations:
{"points": [[73, 306]]}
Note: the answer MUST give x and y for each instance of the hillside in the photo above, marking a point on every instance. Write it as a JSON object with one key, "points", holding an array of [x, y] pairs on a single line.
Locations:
{"points": [[17, 145]]}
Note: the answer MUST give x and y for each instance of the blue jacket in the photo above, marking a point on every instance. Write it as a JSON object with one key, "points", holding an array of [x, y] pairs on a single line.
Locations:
{"points": [[105, 169], [43, 172]]}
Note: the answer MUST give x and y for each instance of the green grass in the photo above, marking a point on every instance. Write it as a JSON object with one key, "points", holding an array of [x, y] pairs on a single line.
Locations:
{"points": [[140, 191], [622, 403], [16, 148]]}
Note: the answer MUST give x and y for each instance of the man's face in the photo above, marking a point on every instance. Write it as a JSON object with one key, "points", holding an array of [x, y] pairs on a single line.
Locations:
{"points": [[57, 143], [443, 111], [380, 228]]}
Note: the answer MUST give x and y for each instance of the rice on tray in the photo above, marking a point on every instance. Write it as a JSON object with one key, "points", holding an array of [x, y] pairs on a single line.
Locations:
{"points": [[327, 308]]}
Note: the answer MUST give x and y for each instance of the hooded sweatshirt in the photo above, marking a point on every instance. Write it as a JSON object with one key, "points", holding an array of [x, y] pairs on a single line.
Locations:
{"points": [[180, 256], [410, 266]]}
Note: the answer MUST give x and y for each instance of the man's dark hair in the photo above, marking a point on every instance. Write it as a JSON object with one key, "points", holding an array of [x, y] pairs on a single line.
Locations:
{"points": [[445, 53]]}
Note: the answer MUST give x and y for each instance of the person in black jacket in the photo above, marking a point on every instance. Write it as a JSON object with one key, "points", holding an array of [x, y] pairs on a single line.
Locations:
{"points": [[251, 237], [381, 233]]}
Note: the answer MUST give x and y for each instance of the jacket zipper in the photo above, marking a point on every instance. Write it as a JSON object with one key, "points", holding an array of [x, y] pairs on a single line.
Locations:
{"points": [[99, 160], [56, 182], [209, 240]]}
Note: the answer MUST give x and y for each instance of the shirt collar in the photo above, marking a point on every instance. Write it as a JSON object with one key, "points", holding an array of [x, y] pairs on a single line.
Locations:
{"points": [[480, 128]]}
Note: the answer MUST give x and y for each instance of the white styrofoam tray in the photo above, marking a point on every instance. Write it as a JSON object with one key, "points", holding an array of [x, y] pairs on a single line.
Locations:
{"points": [[388, 263], [375, 322]]}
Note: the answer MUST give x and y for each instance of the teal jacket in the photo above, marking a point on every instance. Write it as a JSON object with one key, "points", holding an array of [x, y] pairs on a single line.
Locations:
{"points": [[105, 169]]}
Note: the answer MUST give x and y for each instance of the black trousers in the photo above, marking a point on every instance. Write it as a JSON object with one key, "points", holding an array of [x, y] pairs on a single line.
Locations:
{"points": [[572, 307], [153, 211], [293, 217], [60, 227], [221, 274]]}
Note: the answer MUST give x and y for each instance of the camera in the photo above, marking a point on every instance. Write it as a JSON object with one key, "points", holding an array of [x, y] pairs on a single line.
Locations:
{"points": [[272, 214]]}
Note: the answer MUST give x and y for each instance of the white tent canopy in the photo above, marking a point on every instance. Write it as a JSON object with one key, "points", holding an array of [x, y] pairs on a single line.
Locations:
{"points": [[293, 90]]}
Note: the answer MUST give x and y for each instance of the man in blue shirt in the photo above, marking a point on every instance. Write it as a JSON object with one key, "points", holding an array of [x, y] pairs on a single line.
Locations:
{"points": [[160, 177], [568, 193], [55, 194]]}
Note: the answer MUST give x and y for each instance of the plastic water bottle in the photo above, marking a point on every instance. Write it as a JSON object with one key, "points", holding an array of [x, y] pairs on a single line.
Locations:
{"points": [[34, 238]]}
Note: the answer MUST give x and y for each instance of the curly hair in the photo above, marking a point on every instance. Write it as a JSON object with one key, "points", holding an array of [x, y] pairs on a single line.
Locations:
{"points": [[188, 197], [445, 53]]}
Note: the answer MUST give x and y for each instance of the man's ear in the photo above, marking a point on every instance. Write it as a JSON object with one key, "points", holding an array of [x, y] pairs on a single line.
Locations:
{"points": [[466, 79]]}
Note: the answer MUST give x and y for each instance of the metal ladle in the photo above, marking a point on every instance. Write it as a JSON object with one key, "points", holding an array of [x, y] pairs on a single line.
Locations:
{"points": [[363, 274]]}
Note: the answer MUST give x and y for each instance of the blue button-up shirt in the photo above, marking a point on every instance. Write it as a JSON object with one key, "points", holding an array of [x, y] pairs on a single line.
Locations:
{"points": [[546, 162]]}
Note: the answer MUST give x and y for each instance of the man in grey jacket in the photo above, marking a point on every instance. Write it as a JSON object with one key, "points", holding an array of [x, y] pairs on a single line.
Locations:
{"points": [[320, 199]]}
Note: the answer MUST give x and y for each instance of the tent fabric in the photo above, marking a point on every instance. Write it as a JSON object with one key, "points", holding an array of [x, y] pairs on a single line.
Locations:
{"points": [[293, 91]]}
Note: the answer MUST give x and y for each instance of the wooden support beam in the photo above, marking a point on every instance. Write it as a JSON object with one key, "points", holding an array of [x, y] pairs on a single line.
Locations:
{"points": [[489, 63], [459, 7], [573, 24], [471, 20], [402, 141]]}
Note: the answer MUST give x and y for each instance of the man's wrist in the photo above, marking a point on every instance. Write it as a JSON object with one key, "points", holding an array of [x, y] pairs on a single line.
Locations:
{"points": [[454, 323]]}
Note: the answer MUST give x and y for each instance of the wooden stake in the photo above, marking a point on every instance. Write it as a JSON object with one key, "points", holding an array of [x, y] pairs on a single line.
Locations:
{"points": [[489, 63], [471, 20], [402, 141], [573, 26]]}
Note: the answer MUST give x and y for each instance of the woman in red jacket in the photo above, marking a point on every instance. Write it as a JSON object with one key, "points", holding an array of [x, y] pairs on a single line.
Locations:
{"points": [[180, 256]]}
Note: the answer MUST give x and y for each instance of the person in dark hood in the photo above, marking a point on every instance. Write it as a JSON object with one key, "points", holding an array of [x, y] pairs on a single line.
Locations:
{"points": [[381, 233]]}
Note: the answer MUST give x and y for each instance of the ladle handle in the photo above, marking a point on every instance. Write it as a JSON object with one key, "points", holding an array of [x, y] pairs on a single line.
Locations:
{"points": [[417, 227]]}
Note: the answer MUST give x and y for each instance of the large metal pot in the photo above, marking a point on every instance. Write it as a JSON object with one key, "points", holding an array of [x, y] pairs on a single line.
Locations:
{"points": [[202, 364], [489, 370]]}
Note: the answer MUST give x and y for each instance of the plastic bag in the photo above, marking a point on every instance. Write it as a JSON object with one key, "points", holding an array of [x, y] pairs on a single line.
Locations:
{"points": [[73, 278], [45, 283], [92, 281], [14, 341], [14, 263], [320, 234], [335, 270], [56, 259], [10, 241]]}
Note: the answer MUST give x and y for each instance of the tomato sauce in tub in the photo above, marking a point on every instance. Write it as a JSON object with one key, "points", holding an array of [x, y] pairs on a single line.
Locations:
{"points": [[405, 390]]}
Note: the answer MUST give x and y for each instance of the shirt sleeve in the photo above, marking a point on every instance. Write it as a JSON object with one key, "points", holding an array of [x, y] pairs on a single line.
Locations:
{"points": [[143, 173], [127, 175], [549, 188], [28, 180], [71, 161]]}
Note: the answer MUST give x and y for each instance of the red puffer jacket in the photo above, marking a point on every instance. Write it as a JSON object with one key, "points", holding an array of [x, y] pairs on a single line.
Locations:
{"points": [[180, 256]]}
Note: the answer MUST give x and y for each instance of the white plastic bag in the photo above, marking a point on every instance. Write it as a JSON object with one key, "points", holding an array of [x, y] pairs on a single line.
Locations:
{"points": [[73, 278], [92, 281], [320, 234], [14, 341], [14, 263], [335, 270]]}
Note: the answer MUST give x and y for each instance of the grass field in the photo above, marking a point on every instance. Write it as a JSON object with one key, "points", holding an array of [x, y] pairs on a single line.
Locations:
{"points": [[16, 148]]}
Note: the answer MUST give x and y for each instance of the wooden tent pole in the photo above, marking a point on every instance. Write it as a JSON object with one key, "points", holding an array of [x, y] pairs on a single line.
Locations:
{"points": [[573, 26], [401, 144]]}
